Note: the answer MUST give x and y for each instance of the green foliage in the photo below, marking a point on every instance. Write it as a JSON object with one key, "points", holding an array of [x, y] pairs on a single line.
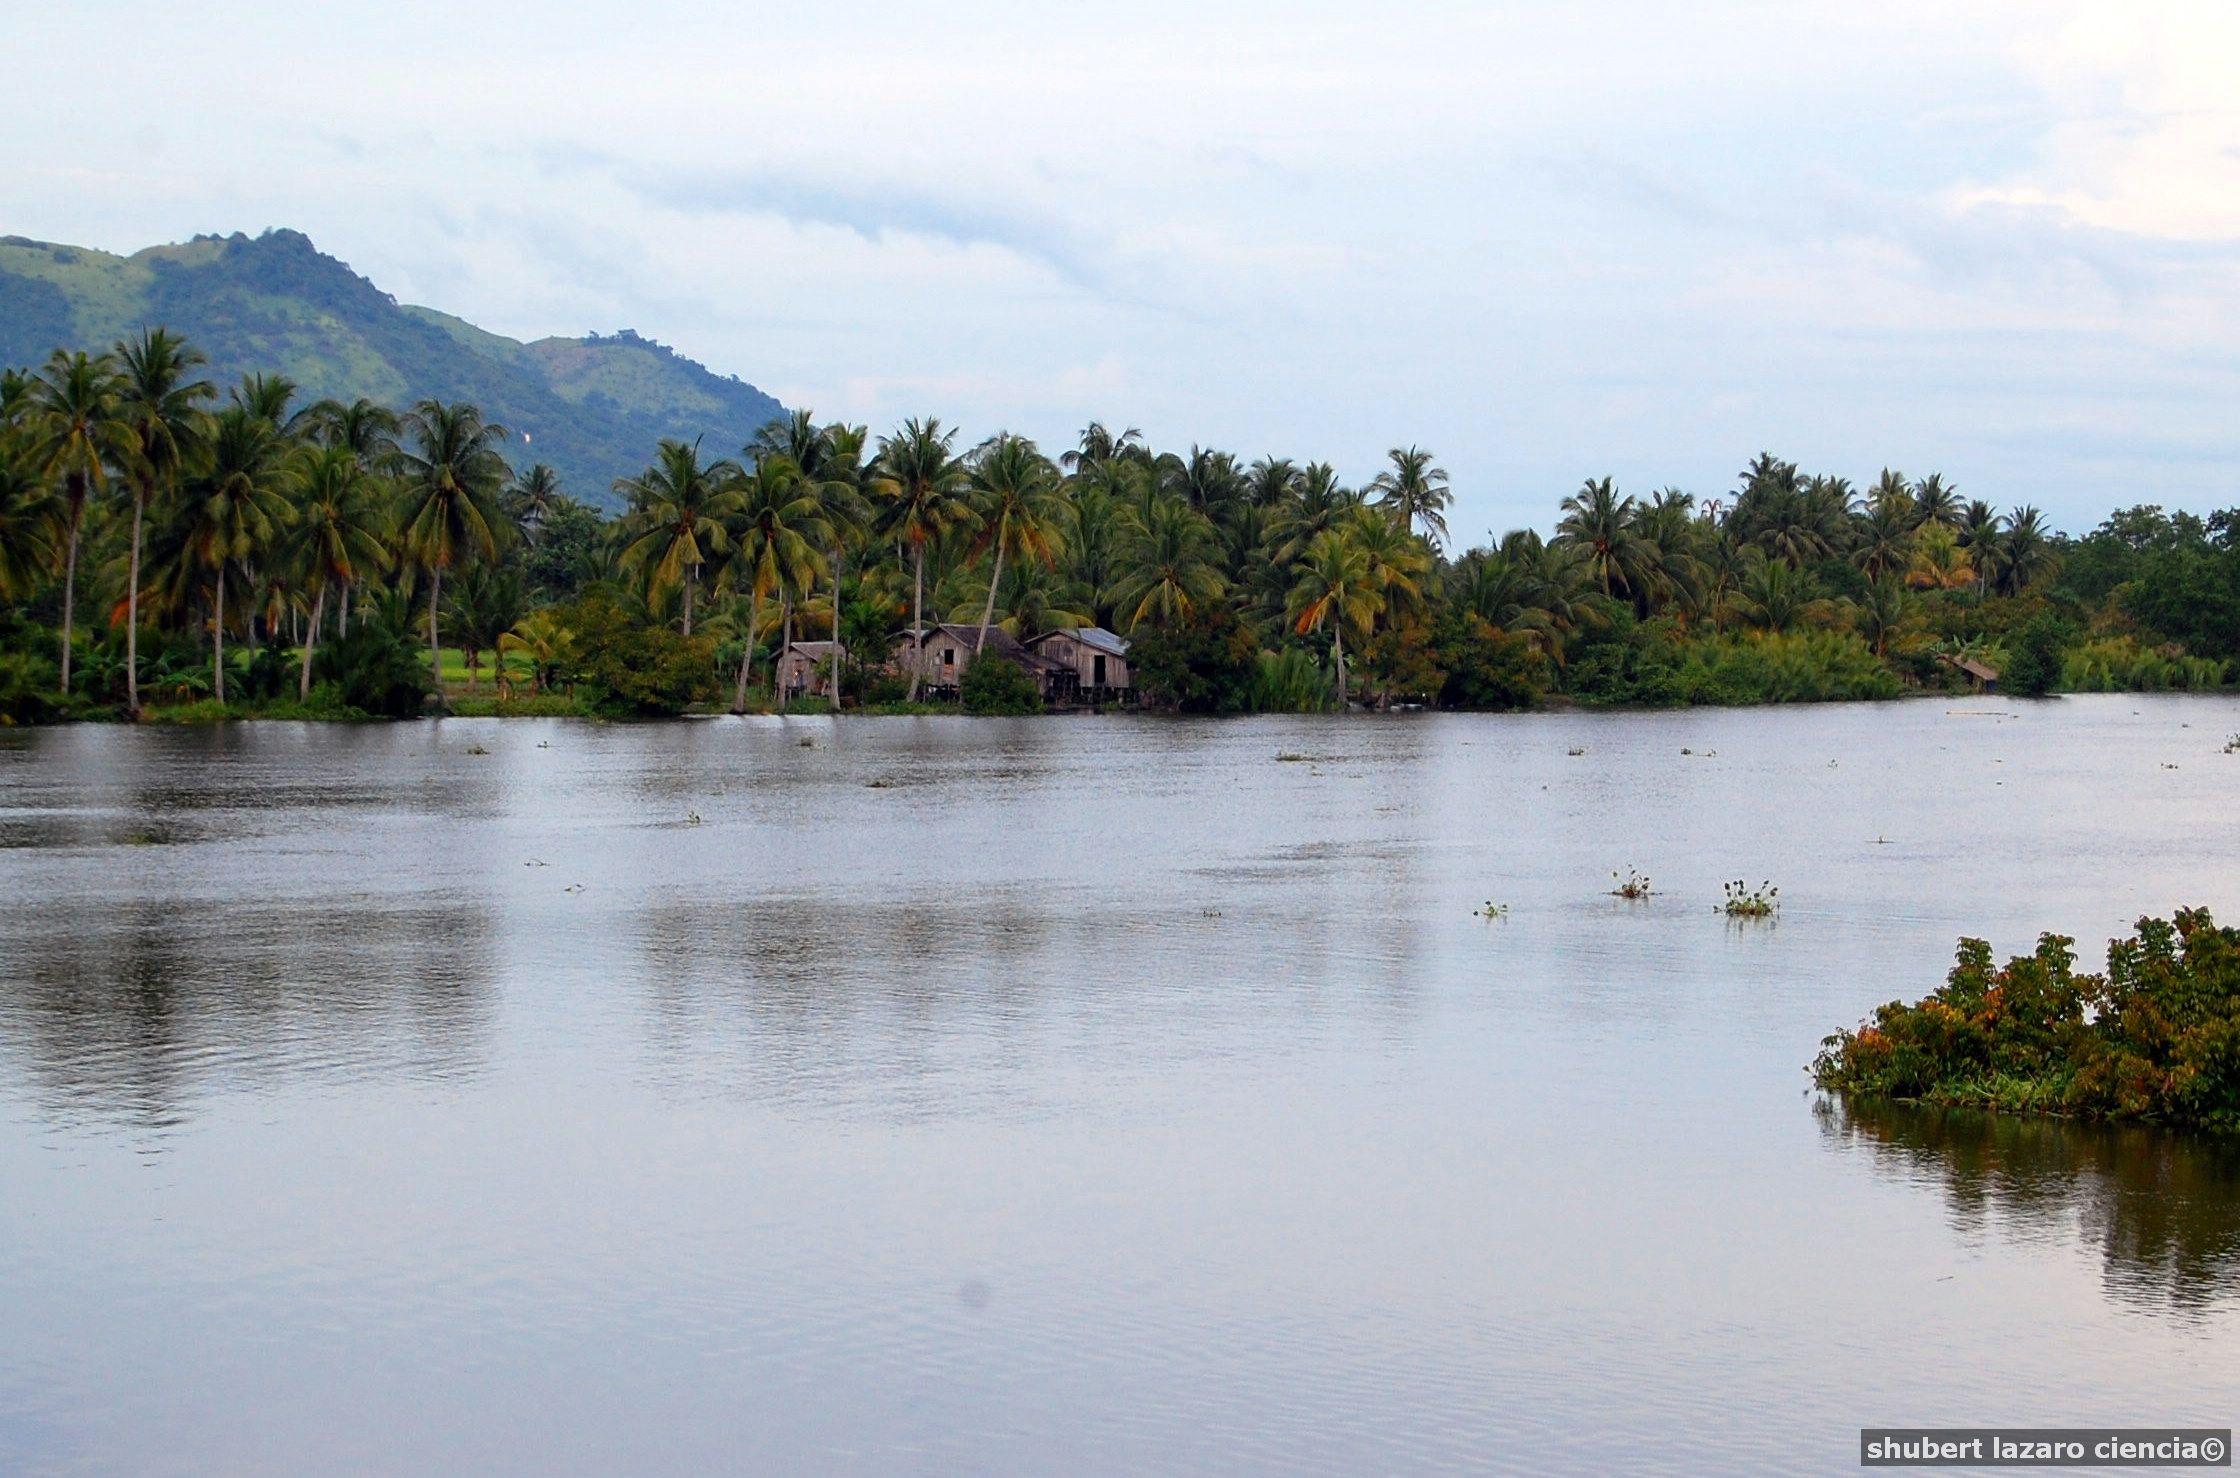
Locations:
{"points": [[375, 670], [2034, 656], [1290, 681], [625, 668], [993, 684], [2119, 664], [1203, 665], [1487, 667], [2155, 1038]]}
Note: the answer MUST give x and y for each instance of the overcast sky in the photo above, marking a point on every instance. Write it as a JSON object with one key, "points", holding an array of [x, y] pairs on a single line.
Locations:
{"points": [[1547, 241]]}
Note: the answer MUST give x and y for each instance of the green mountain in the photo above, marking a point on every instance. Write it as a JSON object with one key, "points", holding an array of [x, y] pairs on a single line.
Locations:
{"points": [[592, 407]]}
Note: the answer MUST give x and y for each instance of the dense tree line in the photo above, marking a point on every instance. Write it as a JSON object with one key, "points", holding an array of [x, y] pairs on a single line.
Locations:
{"points": [[163, 542]]}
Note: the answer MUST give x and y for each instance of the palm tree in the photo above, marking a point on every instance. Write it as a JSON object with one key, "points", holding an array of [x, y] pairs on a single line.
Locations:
{"points": [[1935, 501], [1271, 481], [540, 640], [368, 431], [27, 523], [1939, 563], [452, 474], [341, 534], [1979, 535], [533, 497], [1779, 596], [1891, 491], [485, 604], [1335, 587], [1210, 481], [1604, 526], [830, 459], [242, 505], [922, 486], [676, 520], [1100, 446], [266, 397], [78, 431], [1414, 491], [774, 539], [1317, 503], [1015, 490], [1884, 612], [2024, 552], [1885, 539], [159, 402], [1171, 570]]}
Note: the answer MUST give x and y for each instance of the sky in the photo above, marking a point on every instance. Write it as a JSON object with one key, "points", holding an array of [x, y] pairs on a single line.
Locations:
{"points": [[1548, 242]]}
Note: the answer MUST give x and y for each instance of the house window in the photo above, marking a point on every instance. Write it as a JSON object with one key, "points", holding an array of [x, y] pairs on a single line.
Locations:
{"points": [[948, 656], [1097, 666]]}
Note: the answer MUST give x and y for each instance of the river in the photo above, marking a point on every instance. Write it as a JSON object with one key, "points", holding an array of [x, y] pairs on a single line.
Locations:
{"points": [[1086, 1095]]}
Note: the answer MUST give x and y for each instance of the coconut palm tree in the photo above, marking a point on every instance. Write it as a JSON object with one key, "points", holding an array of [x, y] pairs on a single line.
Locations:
{"points": [[1414, 491], [831, 461], [1209, 481], [241, 505], [1100, 446], [452, 473], [677, 519], [1935, 501], [1335, 588], [1318, 502], [1884, 539], [1891, 491], [1271, 481], [1778, 596], [1939, 563], [365, 429], [920, 486], [484, 604], [27, 522], [341, 533], [540, 640], [1604, 526], [533, 497], [1979, 535], [266, 397], [2024, 552], [78, 431], [1884, 612], [775, 537], [1015, 496], [159, 401], [1172, 551]]}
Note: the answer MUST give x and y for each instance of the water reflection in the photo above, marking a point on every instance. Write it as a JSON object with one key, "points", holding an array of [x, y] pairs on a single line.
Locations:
{"points": [[124, 1012], [2163, 1208]]}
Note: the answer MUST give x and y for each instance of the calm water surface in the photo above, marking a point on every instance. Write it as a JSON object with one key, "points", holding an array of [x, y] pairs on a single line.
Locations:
{"points": [[1070, 1095]]}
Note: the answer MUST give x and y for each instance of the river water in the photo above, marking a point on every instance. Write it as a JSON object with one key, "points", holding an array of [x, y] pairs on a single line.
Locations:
{"points": [[1072, 1094]]}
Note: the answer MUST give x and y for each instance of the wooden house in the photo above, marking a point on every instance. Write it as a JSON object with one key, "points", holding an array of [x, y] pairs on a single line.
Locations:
{"points": [[1094, 663]]}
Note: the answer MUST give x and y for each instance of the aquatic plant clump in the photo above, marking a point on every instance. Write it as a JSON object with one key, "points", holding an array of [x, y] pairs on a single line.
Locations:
{"points": [[1746, 902], [1632, 885], [2155, 1039]]}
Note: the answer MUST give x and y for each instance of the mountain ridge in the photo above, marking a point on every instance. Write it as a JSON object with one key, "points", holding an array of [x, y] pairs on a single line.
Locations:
{"points": [[594, 407]]}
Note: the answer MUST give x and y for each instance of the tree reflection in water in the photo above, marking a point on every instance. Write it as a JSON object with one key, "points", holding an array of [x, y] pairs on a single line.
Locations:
{"points": [[2163, 1208]]}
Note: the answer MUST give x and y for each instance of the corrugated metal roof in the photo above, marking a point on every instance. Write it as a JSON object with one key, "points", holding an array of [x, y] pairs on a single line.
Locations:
{"points": [[1091, 636]]}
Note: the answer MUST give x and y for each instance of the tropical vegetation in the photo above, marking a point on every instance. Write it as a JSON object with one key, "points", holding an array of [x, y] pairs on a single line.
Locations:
{"points": [[171, 545], [2156, 1038]]}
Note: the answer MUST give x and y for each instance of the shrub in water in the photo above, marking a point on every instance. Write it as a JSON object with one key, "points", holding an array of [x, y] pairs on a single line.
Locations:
{"points": [[2156, 1038]]}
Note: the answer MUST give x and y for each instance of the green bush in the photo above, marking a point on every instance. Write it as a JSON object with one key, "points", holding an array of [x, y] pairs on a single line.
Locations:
{"points": [[2157, 1038], [375, 670], [993, 684], [2034, 656], [1291, 681], [625, 668], [1206, 665]]}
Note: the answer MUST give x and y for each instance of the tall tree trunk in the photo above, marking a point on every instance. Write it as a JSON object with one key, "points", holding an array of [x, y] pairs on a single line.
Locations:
{"points": [[342, 618], [132, 610], [746, 660], [1338, 655], [917, 622], [988, 611], [435, 647], [218, 638], [691, 578], [70, 589], [778, 674], [311, 640], [839, 667]]}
